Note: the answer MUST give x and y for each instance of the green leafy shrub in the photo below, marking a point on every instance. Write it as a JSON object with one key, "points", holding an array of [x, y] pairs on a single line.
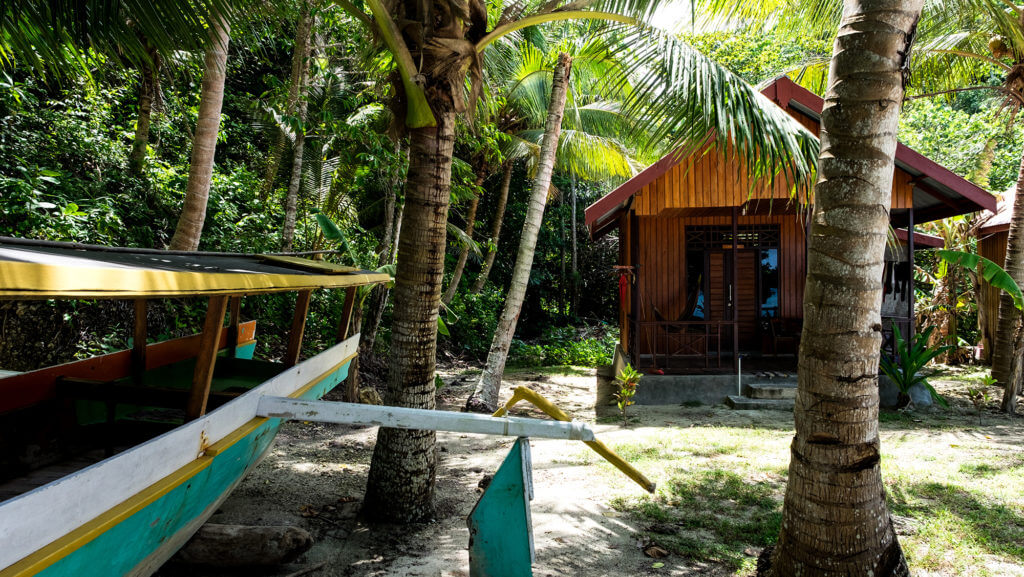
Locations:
{"points": [[584, 347], [628, 378], [911, 357], [471, 320]]}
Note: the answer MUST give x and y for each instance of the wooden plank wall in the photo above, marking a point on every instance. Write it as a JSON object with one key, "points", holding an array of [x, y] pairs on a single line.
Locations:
{"points": [[662, 262], [992, 247]]}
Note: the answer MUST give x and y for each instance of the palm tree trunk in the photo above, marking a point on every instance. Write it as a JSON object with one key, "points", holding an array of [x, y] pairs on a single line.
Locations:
{"points": [[499, 216], [292, 198], [204, 144], [486, 393], [149, 85], [300, 64], [834, 517], [400, 486], [300, 73], [575, 302], [1004, 353], [464, 253]]}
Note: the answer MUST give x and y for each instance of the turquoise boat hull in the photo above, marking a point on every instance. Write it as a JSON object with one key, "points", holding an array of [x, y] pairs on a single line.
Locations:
{"points": [[142, 542]]}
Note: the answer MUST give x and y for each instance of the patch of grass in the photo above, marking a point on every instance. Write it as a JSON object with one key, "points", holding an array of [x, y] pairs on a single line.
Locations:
{"points": [[978, 469], [719, 513], [692, 404], [957, 525]]}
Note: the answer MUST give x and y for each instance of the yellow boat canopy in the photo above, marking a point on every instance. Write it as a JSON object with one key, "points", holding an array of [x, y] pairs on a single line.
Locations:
{"points": [[51, 270]]}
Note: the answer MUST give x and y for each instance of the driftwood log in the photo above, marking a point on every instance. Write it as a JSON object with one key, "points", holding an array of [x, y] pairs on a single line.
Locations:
{"points": [[244, 545]]}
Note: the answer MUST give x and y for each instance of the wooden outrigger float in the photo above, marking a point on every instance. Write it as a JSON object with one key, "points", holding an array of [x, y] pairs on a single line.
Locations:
{"points": [[201, 409]]}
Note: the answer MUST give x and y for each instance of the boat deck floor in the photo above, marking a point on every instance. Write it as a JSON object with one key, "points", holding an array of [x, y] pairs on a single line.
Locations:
{"points": [[50, 473]]}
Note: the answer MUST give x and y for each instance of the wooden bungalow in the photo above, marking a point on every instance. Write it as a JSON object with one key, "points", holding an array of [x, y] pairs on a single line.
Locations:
{"points": [[711, 264], [993, 233]]}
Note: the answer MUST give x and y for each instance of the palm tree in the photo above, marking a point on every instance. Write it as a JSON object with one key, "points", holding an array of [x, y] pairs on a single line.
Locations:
{"points": [[963, 44], [204, 142], [835, 520], [297, 106], [589, 147], [149, 98], [433, 49], [490, 380]]}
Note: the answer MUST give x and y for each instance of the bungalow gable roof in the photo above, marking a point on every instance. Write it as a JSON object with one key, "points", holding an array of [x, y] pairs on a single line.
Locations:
{"points": [[938, 192]]}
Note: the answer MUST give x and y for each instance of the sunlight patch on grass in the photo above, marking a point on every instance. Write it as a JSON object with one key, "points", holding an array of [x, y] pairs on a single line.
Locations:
{"points": [[956, 487]]}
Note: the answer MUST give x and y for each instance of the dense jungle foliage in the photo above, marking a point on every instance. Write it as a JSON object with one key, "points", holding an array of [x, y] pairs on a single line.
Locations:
{"points": [[66, 173]]}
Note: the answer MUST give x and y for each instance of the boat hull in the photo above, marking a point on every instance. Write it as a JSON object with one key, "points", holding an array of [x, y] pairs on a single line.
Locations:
{"points": [[140, 533]]}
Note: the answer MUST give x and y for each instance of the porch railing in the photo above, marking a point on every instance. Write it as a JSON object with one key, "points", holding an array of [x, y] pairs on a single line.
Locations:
{"points": [[665, 341]]}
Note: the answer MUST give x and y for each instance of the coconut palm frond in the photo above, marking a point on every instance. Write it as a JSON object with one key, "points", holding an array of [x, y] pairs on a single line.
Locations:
{"points": [[55, 38], [461, 239], [690, 101]]}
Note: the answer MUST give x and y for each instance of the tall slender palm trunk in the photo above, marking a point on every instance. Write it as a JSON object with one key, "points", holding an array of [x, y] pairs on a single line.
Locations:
{"points": [[1004, 351], [486, 392], [400, 486], [460, 265], [499, 216], [204, 143], [300, 58], [834, 518], [149, 95], [300, 78]]}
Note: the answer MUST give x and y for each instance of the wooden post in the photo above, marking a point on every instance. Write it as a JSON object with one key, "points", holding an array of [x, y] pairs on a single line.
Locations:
{"points": [[207, 357], [346, 313], [733, 295], [235, 309], [139, 341], [910, 281], [634, 288], [298, 327]]}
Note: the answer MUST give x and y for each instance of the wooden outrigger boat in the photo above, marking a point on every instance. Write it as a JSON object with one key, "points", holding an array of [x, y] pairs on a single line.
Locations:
{"points": [[170, 462], [128, 513]]}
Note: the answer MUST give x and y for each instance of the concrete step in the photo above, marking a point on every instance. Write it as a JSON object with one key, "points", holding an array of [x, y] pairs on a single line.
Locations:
{"points": [[747, 404], [771, 391]]}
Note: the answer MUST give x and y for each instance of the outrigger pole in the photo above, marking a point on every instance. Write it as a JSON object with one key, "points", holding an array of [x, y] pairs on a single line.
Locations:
{"points": [[424, 419]]}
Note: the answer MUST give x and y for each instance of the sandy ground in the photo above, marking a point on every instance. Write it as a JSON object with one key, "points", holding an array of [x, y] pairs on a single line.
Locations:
{"points": [[315, 475]]}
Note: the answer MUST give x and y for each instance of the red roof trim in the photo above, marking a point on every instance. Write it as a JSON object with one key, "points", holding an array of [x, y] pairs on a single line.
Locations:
{"points": [[904, 154], [921, 239], [611, 201]]}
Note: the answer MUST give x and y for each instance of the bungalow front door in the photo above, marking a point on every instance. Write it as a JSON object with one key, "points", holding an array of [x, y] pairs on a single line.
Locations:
{"points": [[727, 295]]}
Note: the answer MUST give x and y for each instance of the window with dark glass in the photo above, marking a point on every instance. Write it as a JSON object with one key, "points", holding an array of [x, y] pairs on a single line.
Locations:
{"points": [[695, 307], [768, 281]]}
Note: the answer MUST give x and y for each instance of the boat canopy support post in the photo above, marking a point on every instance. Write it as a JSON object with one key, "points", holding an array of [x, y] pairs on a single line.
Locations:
{"points": [[423, 419], [208, 344], [234, 318], [139, 341], [298, 327], [346, 313]]}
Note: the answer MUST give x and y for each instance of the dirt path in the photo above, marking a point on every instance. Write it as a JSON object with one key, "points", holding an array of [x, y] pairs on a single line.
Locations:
{"points": [[315, 476]]}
